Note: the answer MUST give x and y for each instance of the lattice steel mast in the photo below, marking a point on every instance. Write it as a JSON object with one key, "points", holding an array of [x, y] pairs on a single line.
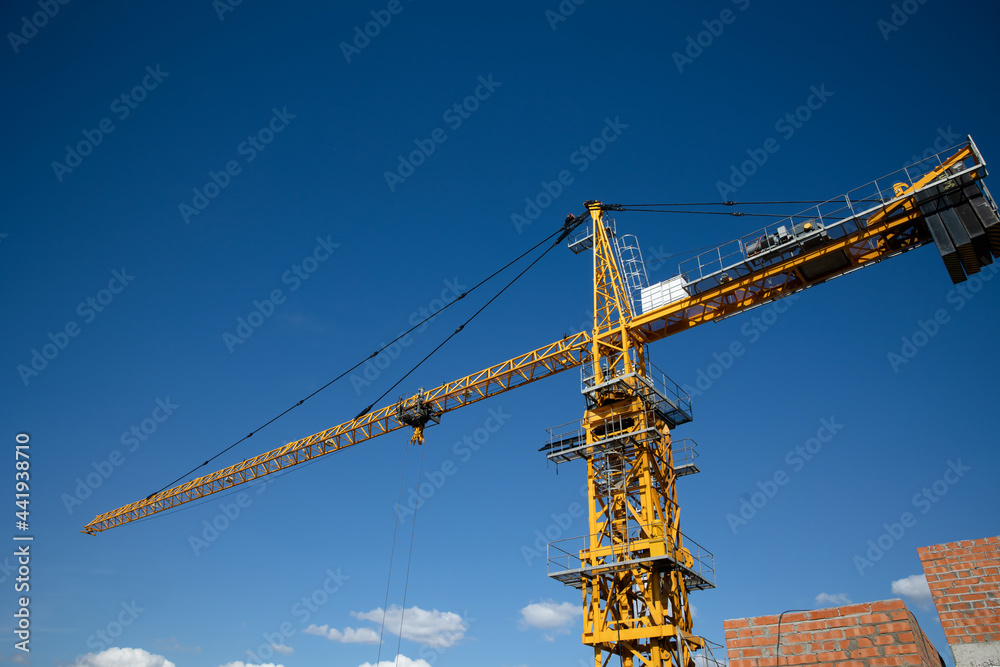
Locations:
{"points": [[635, 568]]}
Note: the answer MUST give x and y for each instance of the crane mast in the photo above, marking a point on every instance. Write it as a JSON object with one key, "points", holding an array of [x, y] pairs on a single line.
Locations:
{"points": [[635, 568], [632, 566]]}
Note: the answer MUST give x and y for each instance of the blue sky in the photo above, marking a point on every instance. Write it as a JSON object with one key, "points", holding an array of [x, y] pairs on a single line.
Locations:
{"points": [[180, 165]]}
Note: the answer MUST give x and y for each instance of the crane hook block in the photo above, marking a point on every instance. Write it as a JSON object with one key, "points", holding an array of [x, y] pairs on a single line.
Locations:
{"points": [[416, 411]]}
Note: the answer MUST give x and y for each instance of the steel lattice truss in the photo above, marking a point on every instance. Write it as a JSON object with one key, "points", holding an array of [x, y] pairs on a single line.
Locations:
{"points": [[635, 568]]}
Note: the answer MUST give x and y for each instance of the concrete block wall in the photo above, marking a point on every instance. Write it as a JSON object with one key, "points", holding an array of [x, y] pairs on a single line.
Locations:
{"points": [[964, 578], [870, 634]]}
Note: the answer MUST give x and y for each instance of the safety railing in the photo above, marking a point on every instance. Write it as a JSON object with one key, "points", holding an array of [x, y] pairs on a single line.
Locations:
{"points": [[684, 453], [819, 224], [712, 654], [576, 559]]}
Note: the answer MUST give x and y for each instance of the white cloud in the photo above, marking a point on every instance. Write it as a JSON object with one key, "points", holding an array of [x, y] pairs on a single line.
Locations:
{"points": [[438, 629], [247, 664], [401, 661], [281, 648], [345, 636], [123, 657], [834, 599], [548, 615], [704, 661], [914, 587]]}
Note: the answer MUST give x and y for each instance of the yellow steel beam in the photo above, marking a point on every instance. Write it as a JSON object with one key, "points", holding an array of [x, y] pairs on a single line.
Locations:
{"points": [[774, 282], [638, 610], [759, 287], [563, 354], [784, 278]]}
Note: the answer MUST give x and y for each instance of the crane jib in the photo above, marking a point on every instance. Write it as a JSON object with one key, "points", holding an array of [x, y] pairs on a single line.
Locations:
{"points": [[947, 205], [635, 567]]}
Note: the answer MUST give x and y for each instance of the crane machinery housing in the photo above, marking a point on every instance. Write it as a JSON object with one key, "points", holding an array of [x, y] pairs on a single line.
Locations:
{"points": [[635, 568]]}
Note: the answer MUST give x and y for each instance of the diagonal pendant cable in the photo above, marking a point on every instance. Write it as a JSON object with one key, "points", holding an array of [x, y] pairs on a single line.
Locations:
{"points": [[734, 214], [463, 325], [378, 351], [413, 527], [653, 208], [737, 203]]}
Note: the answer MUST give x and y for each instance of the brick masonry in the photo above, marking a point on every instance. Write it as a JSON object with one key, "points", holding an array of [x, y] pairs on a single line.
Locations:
{"points": [[870, 634], [964, 578]]}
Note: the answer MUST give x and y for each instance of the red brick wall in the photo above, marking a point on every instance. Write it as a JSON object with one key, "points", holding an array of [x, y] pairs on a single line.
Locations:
{"points": [[872, 634], [964, 578]]}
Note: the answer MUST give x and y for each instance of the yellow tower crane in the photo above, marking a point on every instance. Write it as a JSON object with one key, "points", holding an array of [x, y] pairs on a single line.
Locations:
{"points": [[635, 568]]}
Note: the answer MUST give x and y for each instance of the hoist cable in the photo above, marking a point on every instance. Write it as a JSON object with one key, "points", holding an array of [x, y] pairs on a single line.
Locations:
{"points": [[392, 554], [409, 559]]}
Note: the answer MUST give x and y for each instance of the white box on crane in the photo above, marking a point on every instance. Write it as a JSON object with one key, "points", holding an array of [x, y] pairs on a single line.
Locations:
{"points": [[661, 294]]}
